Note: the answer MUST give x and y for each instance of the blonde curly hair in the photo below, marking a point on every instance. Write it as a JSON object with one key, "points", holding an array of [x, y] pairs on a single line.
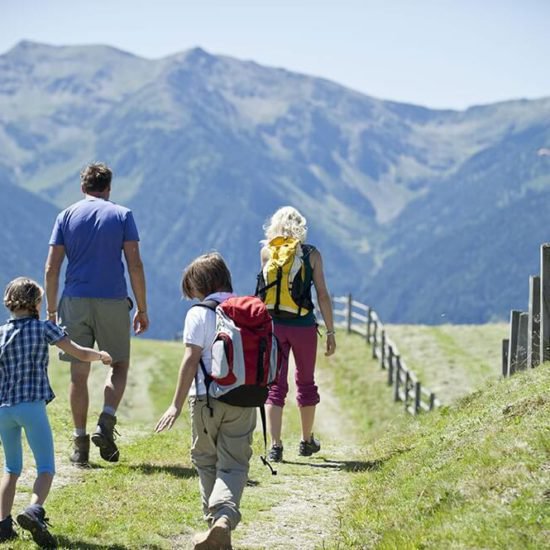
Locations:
{"points": [[286, 222], [23, 293]]}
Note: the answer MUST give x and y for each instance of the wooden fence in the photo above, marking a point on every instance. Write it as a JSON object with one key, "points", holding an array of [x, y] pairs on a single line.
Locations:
{"points": [[528, 343], [363, 320]]}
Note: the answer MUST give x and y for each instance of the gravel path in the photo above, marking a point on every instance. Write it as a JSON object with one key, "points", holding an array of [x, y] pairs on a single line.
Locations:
{"points": [[309, 499]]}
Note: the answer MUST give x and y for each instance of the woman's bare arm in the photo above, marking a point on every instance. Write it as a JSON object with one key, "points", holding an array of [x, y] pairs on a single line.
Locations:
{"points": [[323, 298]]}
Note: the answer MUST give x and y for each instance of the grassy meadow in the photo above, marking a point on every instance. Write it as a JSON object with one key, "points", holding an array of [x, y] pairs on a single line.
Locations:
{"points": [[472, 476], [475, 474]]}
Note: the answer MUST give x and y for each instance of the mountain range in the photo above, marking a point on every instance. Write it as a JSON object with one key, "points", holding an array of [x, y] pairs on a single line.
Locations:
{"points": [[428, 215]]}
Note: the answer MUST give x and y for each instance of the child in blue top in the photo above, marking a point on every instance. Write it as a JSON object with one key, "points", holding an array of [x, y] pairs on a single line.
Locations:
{"points": [[24, 392]]}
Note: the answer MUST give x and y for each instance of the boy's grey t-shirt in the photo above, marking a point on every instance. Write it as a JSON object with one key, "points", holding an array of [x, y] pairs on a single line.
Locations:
{"points": [[93, 232]]}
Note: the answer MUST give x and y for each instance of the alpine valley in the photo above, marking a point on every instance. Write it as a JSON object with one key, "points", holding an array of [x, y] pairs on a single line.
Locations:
{"points": [[428, 215]]}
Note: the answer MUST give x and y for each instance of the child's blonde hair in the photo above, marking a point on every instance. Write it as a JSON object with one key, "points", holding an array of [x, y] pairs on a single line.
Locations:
{"points": [[23, 293], [206, 274], [286, 222]]}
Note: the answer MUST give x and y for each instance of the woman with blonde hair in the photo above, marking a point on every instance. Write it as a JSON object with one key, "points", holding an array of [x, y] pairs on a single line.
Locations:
{"points": [[290, 267]]}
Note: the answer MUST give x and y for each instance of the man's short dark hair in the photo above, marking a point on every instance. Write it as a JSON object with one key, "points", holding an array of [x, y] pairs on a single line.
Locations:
{"points": [[96, 177], [206, 274]]}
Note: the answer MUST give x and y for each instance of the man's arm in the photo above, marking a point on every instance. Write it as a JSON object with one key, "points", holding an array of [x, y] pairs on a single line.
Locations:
{"points": [[56, 255], [137, 280]]}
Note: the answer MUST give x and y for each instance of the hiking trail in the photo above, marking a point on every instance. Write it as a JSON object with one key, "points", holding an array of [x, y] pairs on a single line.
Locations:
{"points": [[307, 513]]}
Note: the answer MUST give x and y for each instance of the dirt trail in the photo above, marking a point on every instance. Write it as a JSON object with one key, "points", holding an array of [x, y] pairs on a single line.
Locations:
{"points": [[309, 500], [309, 490], [136, 399]]}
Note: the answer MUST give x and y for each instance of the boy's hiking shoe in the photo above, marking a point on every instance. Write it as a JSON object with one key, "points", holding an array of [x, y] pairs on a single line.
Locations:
{"points": [[276, 453], [7, 532], [218, 537], [81, 451], [34, 519], [307, 448], [104, 437]]}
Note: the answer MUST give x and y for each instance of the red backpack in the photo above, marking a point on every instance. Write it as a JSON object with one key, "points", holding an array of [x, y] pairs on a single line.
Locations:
{"points": [[245, 354]]}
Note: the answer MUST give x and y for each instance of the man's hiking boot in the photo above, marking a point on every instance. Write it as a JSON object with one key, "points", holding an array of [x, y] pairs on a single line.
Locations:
{"points": [[218, 537], [307, 448], [34, 519], [104, 437], [81, 452], [276, 453], [7, 532]]}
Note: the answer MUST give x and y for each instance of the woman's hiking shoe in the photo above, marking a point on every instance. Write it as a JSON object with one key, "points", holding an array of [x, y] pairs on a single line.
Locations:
{"points": [[276, 453], [34, 519], [104, 437], [7, 532], [218, 537], [307, 448], [81, 451]]}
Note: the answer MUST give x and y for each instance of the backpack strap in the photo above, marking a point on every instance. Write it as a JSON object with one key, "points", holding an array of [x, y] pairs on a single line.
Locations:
{"points": [[208, 304], [211, 305]]}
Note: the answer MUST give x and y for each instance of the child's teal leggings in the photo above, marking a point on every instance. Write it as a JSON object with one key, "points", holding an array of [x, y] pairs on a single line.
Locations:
{"points": [[33, 418]]}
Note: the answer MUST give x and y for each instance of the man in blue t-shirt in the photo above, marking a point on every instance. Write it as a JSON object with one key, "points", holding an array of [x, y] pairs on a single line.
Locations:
{"points": [[94, 233]]}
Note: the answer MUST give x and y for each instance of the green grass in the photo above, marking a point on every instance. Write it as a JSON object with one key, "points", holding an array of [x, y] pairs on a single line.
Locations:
{"points": [[452, 360], [474, 475], [152, 494], [150, 499], [362, 388]]}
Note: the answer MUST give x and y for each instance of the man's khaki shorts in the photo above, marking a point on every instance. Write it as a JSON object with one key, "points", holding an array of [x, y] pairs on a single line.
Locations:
{"points": [[102, 320]]}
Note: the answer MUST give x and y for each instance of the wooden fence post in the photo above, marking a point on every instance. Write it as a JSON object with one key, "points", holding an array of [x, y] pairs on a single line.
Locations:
{"points": [[522, 341], [397, 378], [390, 365], [407, 386], [382, 349], [432, 401], [513, 341], [505, 344], [374, 339], [348, 314], [533, 329], [369, 324], [545, 302], [417, 397]]}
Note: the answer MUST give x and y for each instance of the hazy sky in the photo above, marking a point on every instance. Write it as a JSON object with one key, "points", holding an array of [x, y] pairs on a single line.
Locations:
{"points": [[439, 53]]}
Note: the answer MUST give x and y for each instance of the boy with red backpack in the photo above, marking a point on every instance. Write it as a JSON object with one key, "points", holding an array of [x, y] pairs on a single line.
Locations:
{"points": [[229, 361]]}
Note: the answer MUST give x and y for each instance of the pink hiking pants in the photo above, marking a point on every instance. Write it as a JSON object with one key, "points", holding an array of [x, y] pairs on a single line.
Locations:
{"points": [[303, 343]]}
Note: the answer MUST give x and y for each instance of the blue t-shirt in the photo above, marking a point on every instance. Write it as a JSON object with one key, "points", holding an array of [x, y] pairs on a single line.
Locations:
{"points": [[93, 232]]}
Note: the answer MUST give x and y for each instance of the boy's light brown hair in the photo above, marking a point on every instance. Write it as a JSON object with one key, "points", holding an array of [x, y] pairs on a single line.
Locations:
{"points": [[23, 293], [206, 274]]}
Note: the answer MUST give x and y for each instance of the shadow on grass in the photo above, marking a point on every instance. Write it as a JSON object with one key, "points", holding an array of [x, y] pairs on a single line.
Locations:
{"points": [[351, 465], [346, 465], [66, 542], [172, 469], [89, 466]]}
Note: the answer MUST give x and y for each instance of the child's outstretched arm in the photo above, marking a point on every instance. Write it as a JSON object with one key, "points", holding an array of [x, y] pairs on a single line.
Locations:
{"points": [[188, 370], [82, 353]]}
